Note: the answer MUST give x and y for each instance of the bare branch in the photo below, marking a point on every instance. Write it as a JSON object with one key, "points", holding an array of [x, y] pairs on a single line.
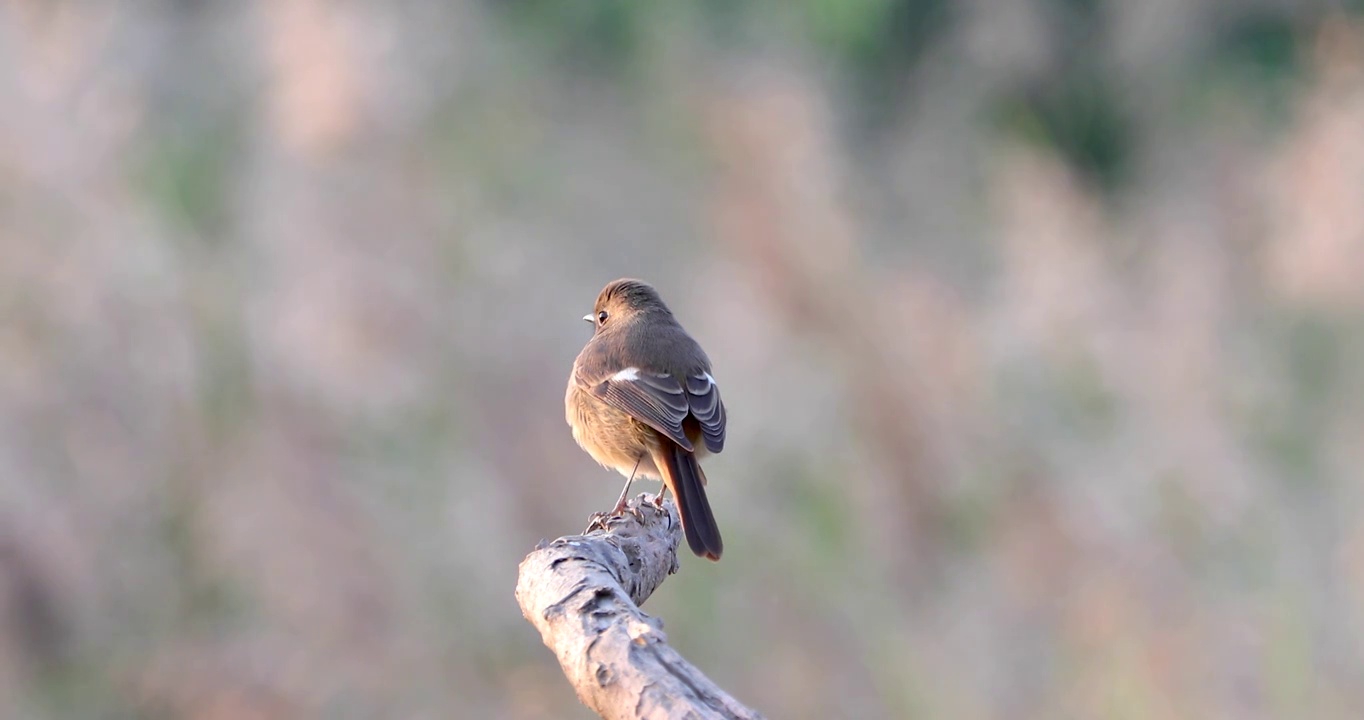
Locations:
{"points": [[582, 592]]}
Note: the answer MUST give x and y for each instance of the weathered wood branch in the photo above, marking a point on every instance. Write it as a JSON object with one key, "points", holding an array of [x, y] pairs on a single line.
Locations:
{"points": [[582, 592]]}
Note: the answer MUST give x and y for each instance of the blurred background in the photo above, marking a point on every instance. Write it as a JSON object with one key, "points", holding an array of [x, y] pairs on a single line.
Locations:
{"points": [[1040, 324]]}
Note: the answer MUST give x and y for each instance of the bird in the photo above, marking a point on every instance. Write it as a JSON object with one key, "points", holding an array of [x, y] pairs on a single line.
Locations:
{"points": [[641, 400]]}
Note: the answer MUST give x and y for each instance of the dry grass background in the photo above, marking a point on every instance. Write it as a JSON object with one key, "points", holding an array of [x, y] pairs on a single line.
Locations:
{"points": [[1040, 326]]}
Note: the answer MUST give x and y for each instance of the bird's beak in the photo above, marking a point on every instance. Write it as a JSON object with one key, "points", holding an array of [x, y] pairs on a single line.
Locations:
{"points": [[588, 317]]}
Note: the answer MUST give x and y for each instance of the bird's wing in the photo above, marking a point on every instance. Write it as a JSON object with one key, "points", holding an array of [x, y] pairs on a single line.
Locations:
{"points": [[655, 399], [703, 400]]}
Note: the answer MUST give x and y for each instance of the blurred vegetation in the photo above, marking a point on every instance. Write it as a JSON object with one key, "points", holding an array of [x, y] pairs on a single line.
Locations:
{"points": [[1039, 323]]}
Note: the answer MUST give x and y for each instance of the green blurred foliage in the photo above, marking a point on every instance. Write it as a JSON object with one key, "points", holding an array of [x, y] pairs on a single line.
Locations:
{"points": [[186, 172]]}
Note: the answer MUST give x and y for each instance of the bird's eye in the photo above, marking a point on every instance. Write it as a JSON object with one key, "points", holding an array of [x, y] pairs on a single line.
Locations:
{"points": [[601, 318]]}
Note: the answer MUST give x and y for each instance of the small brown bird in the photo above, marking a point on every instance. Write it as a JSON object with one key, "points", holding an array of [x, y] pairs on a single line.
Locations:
{"points": [[641, 400]]}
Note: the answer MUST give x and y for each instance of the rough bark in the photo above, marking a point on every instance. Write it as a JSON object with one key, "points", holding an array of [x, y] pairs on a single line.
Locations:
{"points": [[582, 592]]}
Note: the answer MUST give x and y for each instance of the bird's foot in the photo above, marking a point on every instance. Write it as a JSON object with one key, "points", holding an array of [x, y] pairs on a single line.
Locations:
{"points": [[597, 522], [623, 507]]}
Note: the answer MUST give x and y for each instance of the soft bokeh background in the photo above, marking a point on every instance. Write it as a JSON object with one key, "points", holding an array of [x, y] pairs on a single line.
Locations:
{"points": [[1041, 325]]}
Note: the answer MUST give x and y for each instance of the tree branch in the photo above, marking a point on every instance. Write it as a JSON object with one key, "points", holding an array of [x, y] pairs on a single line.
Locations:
{"points": [[582, 592]]}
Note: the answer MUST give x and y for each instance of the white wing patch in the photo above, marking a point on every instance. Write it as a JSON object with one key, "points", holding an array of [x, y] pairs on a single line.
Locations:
{"points": [[663, 401]]}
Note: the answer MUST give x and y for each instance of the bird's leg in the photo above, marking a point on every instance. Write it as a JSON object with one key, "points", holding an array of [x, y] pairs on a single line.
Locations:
{"points": [[620, 501], [598, 520]]}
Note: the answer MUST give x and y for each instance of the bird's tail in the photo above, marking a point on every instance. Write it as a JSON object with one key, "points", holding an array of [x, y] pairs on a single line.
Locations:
{"points": [[683, 476]]}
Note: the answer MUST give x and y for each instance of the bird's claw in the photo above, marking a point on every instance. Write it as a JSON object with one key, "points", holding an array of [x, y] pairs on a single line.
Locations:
{"points": [[596, 522], [599, 519]]}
